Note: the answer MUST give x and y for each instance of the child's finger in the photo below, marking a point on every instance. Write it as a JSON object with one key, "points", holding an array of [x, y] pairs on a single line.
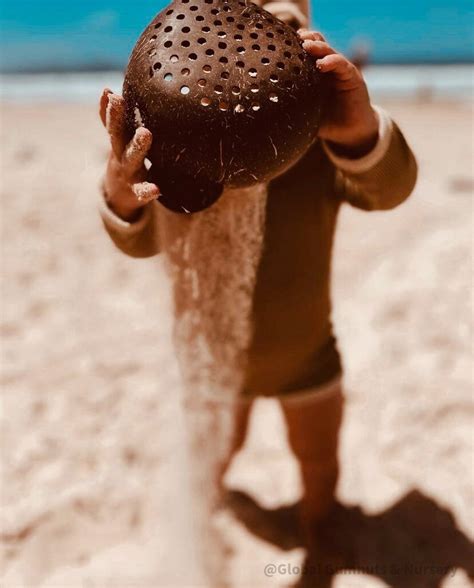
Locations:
{"points": [[310, 35], [104, 102], [145, 192], [318, 48], [337, 64], [115, 123], [136, 151]]}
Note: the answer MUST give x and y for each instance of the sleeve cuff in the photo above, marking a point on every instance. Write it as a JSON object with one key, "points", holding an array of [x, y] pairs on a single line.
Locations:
{"points": [[121, 226], [279, 7], [364, 164]]}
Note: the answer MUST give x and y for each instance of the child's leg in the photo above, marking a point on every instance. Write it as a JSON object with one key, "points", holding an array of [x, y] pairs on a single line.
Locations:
{"points": [[239, 432], [313, 422], [215, 432]]}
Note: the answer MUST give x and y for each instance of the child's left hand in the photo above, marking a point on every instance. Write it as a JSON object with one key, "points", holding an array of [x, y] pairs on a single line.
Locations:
{"points": [[349, 122]]}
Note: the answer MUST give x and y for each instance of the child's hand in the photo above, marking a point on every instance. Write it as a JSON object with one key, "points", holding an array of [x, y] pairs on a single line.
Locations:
{"points": [[124, 183], [349, 122]]}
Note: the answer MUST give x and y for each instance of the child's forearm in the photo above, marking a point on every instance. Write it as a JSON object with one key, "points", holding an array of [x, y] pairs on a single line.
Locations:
{"points": [[381, 179]]}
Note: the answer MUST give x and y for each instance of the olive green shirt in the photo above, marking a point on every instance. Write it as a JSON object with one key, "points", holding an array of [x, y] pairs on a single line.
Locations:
{"points": [[290, 343]]}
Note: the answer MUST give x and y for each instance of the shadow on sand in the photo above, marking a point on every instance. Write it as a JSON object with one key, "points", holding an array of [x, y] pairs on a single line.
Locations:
{"points": [[413, 544]]}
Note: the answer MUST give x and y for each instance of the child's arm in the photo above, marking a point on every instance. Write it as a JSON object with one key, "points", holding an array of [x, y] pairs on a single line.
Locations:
{"points": [[128, 207], [376, 168]]}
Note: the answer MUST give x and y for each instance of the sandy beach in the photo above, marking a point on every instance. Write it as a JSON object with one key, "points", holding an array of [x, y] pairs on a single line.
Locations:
{"points": [[93, 461]]}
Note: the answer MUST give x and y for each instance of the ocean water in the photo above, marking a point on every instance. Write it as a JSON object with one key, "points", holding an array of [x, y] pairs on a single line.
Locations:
{"points": [[394, 81]]}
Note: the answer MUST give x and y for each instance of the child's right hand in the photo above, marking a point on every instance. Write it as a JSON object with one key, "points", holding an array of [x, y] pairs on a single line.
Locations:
{"points": [[126, 190]]}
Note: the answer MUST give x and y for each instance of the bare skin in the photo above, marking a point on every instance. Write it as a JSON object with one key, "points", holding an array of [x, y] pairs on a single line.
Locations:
{"points": [[125, 185], [350, 126]]}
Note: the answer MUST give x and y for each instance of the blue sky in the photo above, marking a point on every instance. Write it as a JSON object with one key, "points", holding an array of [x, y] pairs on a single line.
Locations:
{"points": [[36, 33]]}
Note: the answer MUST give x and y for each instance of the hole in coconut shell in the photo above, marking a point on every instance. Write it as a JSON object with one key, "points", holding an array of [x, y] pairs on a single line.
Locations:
{"points": [[184, 90], [181, 16], [192, 56], [218, 89], [255, 106], [185, 71], [252, 72], [202, 83], [206, 68], [168, 77], [168, 29], [223, 59], [273, 97], [205, 101], [174, 58], [223, 105], [235, 90], [239, 108]]}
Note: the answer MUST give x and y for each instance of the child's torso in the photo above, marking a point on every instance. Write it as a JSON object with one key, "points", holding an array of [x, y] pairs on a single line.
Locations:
{"points": [[251, 284]]}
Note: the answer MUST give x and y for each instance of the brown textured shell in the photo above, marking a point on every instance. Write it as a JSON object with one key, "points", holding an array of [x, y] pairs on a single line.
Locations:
{"points": [[229, 94]]}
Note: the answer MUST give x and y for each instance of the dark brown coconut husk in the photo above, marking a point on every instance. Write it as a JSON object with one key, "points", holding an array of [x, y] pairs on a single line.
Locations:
{"points": [[229, 94]]}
